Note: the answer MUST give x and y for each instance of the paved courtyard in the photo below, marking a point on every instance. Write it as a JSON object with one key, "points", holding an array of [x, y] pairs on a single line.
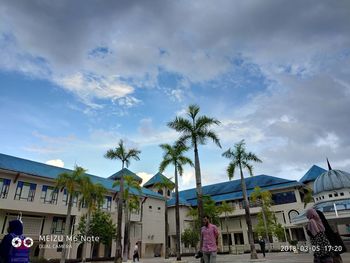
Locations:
{"points": [[270, 257]]}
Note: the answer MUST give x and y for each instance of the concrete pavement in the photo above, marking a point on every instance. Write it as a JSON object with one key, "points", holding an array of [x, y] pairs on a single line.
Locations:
{"points": [[281, 257]]}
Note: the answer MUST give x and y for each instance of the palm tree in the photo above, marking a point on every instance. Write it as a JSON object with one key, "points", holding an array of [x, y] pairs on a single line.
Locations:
{"points": [[241, 159], [263, 198], [174, 155], [196, 130], [225, 208], [165, 184], [125, 156], [70, 181], [129, 184], [93, 196]]}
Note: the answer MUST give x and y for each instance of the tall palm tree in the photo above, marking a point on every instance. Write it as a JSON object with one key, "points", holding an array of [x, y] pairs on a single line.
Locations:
{"points": [[125, 156], [242, 160], [129, 184], [92, 197], [70, 181], [225, 208], [165, 184], [174, 155], [196, 130]]}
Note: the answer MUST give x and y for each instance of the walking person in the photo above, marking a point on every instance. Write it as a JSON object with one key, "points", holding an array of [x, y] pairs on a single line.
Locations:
{"points": [[334, 238], [209, 241], [319, 241], [136, 253], [262, 245]]}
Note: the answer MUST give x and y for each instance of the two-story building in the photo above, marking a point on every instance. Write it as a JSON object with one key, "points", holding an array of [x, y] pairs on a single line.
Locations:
{"points": [[288, 202], [27, 192]]}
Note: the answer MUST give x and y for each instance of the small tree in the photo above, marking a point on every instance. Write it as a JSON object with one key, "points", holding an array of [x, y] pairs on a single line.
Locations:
{"points": [[267, 221], [190, 237], [225, 209], [101, 225]]}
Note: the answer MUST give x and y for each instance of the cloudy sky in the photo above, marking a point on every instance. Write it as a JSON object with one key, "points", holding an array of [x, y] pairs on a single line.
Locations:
{"points": [[77, 76]]}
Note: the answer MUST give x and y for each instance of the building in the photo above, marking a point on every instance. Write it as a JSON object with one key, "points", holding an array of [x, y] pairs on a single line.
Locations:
{"points": [[26, 189], [331, 192], [288, 202]]}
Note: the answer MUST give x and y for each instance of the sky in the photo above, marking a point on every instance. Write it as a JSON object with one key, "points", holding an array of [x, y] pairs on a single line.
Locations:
{"points": [[78, 76]]}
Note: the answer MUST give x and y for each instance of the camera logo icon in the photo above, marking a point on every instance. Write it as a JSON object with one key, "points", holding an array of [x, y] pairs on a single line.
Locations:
{"points": [[27, 242]]}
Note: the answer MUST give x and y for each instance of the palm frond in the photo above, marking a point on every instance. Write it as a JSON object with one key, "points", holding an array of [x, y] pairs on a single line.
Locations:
{"points": [[231, 170], [212, 135], [192, 111], [181, 125], [204, 122]]}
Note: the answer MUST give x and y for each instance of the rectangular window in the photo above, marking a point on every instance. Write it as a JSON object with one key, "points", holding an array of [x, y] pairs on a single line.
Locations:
{"points": [[25, 191], [49, 195], [58, 224], [283, 198], [4, 187], [107, 204], [75, 198]]}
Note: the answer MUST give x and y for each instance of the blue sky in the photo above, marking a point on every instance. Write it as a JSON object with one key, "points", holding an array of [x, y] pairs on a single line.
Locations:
{"points": [[275, 74]]}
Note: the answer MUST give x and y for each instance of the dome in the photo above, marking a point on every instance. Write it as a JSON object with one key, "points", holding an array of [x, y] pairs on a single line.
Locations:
{"points": [[331, 180]]}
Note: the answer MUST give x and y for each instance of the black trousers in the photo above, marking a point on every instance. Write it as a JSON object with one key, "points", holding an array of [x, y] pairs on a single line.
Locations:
{"points": [[136, 255], [262, 249]]}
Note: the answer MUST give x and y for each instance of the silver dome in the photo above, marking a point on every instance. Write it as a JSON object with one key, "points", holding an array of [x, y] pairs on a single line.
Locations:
{"points": [[331, 180]]}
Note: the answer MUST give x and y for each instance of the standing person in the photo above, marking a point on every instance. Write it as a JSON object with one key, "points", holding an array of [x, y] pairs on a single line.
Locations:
{"points": [[334, 238], [209, 241], [262, 245], [12, 250], [319, 241], [136, 253]]}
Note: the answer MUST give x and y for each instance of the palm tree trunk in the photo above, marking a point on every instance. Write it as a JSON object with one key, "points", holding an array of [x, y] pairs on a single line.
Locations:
{"points": [[227, 234], [86, 231], [265, 226], [67, 228], [118, 240], [197, 169], [253, 254], [126, 232], [177, 217], [166, 256]]}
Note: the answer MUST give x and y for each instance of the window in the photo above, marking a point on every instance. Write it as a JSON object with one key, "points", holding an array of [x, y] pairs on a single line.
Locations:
{"points": [[49, 195], [330, 195], [336, 195], [58, 224], [4, 187], [75, 198], [284, 198], [150, 207], [25, 191], [107, 203], [160, 191], [341, 194], [169, 193], [159, 208]]}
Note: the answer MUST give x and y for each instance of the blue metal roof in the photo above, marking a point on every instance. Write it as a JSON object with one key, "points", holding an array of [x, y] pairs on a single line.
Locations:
{"points": [[125, 172], [231, 190], [20, 165], [158, 178], [182, 201], [312, 174]]}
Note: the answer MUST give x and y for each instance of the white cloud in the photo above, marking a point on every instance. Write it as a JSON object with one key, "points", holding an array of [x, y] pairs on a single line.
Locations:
{"points": [[56, 162], [145, 176]]}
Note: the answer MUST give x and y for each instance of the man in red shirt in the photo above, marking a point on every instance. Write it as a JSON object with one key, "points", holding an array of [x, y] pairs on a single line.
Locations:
{"points": [[209, 241]]}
